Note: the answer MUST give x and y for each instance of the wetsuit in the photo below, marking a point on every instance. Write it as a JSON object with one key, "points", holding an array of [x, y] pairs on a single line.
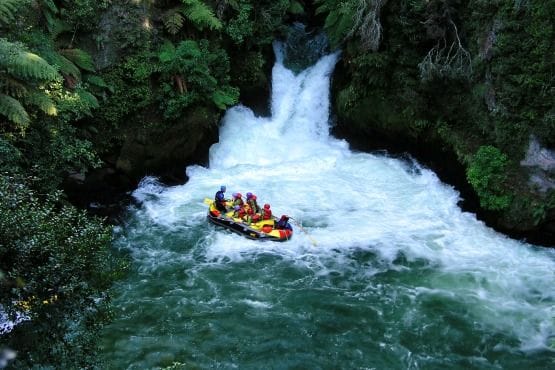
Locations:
{"points": [[219, 200]]}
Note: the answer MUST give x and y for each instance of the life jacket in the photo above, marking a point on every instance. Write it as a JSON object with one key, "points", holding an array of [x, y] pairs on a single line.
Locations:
{"points": [[240, 213], [267, 214], [238, 202], [253, 205]]}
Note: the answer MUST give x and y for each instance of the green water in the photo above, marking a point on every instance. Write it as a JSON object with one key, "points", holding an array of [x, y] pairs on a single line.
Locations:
{"points": [[268, 309]]}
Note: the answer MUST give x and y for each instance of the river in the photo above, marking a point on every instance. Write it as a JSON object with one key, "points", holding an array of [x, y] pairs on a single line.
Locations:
{"points": [[384, 270]]}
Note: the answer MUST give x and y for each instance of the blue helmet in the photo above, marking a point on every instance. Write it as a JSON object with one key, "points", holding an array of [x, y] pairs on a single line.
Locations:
{"points": [[237, 207], [249, 195], [222, 188]]}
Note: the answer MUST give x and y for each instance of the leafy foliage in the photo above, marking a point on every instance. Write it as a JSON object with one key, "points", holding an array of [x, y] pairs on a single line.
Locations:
{"points": [[13, 109], [8, 9], [57, 261], [194, 11], [80, 58], [256, 23], [22, 77], [200, 14], [345, 19], [486, 173], [191, 72]]}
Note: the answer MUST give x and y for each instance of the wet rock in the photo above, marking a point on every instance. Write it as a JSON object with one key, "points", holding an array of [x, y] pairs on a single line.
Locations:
{"points": [[541, 164]]}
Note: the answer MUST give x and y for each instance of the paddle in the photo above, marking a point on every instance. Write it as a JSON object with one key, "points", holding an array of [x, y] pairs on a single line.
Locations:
{"points": [[307, 234], [208, 201]]}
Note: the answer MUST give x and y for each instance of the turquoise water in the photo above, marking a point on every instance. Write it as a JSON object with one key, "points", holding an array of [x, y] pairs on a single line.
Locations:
{"points": [[384, 270]]}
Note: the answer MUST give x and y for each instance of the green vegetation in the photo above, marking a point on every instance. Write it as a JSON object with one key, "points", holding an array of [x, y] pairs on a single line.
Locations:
{"points": [[487, 170], [24, 77], [192, 74], [57, 267]]}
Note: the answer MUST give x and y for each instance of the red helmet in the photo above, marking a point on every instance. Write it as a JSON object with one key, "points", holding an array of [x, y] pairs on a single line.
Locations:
{"points": [[284, 217], [238, 195], [253, 197], [266, 206]]}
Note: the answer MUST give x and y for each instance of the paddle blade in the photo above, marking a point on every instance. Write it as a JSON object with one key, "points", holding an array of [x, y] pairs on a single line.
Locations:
{"points": [[208, 201]]}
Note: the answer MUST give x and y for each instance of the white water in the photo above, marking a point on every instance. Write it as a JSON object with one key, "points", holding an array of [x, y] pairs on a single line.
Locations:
{"points": [[356, 201]]}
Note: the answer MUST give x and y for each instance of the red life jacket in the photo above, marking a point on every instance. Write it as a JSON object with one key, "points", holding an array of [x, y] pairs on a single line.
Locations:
{"points": [[267, 214]]}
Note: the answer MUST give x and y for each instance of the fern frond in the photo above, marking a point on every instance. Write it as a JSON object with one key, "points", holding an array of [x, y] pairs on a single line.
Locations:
{"points": [[11, 86], [80, 58], [8, 10], [97, 81], [201, 15], [42, 101], [49, 6], [173, 21], [66, 66], [55, 25], [28, 65], [12, 108], [88, 99]]}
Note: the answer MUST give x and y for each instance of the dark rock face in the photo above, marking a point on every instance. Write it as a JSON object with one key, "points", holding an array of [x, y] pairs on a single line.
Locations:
{"points": [[541, 164], [146, 152], [164, 154]]}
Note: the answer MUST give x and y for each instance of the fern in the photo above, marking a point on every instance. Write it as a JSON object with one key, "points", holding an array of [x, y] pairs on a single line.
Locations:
{"points": [[87, 99], [55, 25], [8, 10], [17, 61], [97, 81], [12, 86], [21, 74], [12, 108], [201, 15], [80, 58], [42, 101], [31, 66], [49, 6], [173, 21], [67, 67]]}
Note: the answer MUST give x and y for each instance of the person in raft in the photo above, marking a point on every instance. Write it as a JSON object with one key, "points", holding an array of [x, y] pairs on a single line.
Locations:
{"points": [[219, 200], [237, 199], [266, 212], [251, 201], [245, 213], [238, 211], [282, 224]]}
